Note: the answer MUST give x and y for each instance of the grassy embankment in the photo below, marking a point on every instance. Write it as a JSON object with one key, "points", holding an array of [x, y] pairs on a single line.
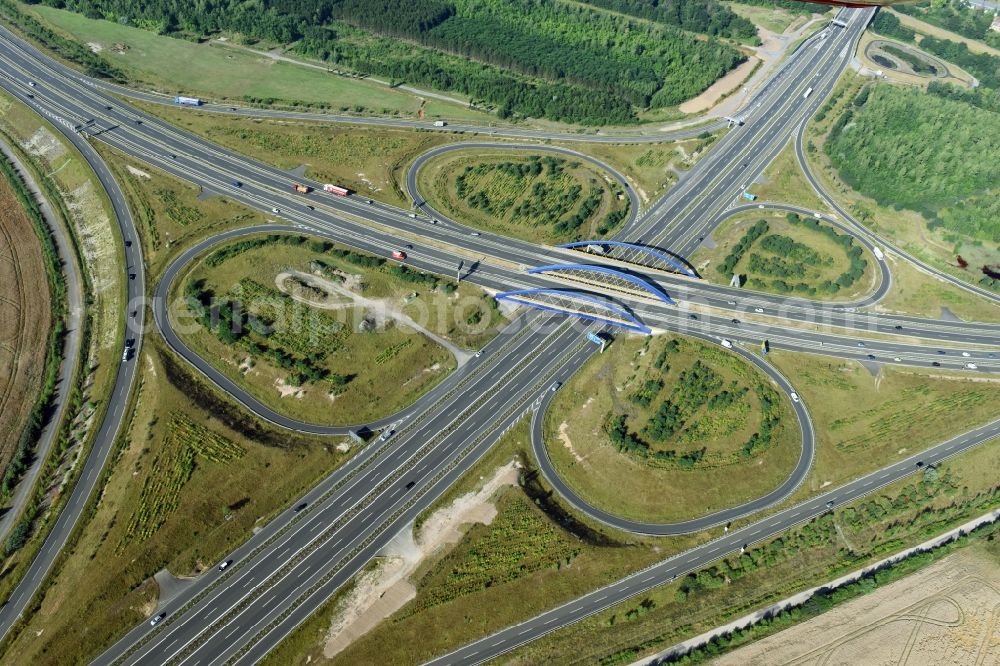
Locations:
{"points": [[194, 478], [668, 428], [543, 198], [791, 255], [318, 339], [864, 422], [373, 161], [223, 72], [80, 201], [899, 515], [784, 182], [450, 606], [369, 161], [775, 19], [170, 214]]}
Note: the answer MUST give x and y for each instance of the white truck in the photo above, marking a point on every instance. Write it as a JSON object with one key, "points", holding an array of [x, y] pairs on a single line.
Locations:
{"points": [[440, 123], [878, 253]]}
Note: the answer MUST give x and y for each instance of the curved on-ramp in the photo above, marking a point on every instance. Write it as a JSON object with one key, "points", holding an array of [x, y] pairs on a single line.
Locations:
{"points": [[786, 488]]}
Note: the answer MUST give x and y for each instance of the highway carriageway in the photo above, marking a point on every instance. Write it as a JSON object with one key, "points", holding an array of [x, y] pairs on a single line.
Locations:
{"points": [[699, 557], [362, 507]]}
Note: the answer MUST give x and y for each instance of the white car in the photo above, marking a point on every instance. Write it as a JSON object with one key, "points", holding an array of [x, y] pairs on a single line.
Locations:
{"points": [[759, 310], [157, 619], [727, 344], [275, 210], [965, 354], [896, 359], [794, 396], [413, 216], [972, 366], [223, 565]]}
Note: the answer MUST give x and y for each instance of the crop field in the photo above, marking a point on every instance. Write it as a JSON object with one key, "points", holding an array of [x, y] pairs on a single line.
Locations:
{"points": [[864, 422], [237, 471], [25, 320], [666, 428], [327, 360], [943, 614], [788, 255], [222, 72], [543, 198], [902, 514], [169, 213], [369, 161]]}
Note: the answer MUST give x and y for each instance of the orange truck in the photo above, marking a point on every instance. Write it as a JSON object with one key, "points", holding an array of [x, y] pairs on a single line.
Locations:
{"points": [[301, 188]]}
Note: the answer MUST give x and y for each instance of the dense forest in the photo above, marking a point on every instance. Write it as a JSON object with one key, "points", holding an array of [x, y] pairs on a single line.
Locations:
{"points": [[954, 15], [704, 16], [559, 60], [924, 152]]}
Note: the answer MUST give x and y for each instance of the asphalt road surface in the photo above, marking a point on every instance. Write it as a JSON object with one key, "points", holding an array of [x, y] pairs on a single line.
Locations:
{"points": [[283, 574]]}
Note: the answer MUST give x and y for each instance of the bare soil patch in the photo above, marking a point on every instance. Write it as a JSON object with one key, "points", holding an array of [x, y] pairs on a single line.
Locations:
{"points": [[381, 592]]}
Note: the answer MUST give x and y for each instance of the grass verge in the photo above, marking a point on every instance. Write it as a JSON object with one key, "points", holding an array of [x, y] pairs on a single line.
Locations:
{"points": [[667, 428], [314, 330], [543, 198], [193, 478], [788, 255]]}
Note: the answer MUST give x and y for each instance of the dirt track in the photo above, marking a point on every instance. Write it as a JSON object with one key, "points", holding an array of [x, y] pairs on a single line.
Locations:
{"points": [[947, 615]]}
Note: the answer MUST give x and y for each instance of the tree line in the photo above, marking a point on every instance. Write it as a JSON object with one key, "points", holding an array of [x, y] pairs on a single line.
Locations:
{"points": [[548, 59]]}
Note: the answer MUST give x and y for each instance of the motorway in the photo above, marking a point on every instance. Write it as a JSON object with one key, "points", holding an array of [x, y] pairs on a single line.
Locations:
{"points": [[103, 442], [298, 560]]}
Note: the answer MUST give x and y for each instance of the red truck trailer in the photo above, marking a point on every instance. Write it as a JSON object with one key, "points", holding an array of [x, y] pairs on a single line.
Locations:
{"points": [[336, 189]]}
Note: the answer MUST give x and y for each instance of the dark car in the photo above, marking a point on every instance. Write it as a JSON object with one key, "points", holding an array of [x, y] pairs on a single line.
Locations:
{"points": [[871, 357], [940, 351], [692, 316], [131, 276], [410, 484], [736, 321], [935, 364], [920, 463], [898, 327], [300, 507]]}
